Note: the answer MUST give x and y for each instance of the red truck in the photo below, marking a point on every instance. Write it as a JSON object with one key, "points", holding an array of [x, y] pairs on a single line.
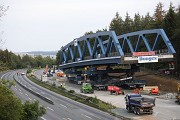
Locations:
{"points": [[115, 90]]}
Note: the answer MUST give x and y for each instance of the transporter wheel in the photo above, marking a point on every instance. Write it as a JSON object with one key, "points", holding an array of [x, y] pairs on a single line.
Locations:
{"points": [[179, 102], [85, 91], [135, 111], [138, 111], [81, 91], [128, 109]]}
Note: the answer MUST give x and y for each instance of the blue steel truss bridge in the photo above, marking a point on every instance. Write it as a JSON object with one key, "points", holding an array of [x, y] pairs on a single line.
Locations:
{"points": [[107, 49]]}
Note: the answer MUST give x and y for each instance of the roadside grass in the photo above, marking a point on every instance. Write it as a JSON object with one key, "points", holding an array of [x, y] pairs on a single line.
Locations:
{"points": [[90, 101]]}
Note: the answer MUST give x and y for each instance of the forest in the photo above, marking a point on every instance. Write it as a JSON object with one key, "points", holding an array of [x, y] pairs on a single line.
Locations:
{"points": [[9, 60]]}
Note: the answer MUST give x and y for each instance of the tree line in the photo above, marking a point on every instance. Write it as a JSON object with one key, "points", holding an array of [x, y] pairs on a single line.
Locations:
{"points": [[161, 19], [9, 60]]}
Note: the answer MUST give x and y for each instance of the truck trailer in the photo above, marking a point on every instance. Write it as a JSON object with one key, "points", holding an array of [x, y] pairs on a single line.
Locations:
{"points": [[138, 104]]}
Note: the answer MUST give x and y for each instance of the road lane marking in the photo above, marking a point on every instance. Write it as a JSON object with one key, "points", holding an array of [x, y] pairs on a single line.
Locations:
{"points": [[29, 98], [50, 108], [14, 86], [43, 118], [86, 116], [19, 89], [26, 94], [63, 105], [67, 119], [21, 92], [3, 75]]}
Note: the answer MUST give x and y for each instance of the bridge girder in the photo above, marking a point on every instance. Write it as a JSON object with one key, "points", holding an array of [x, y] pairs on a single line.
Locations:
{"points": [[108, 48]]}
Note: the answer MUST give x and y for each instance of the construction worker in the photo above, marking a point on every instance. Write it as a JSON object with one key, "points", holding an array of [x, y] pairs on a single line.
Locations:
{"points": [[136, 91]]}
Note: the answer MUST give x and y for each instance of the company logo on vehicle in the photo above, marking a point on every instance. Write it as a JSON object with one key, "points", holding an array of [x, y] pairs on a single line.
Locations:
{"points": [[147, 59]]}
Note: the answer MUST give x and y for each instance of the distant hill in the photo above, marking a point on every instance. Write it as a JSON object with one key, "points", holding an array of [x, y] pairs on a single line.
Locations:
{"points": [[43, 52], [51, 54]]}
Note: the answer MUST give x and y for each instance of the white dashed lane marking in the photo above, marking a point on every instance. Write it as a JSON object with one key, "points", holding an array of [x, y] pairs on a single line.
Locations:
{"points": [[50, 108]]}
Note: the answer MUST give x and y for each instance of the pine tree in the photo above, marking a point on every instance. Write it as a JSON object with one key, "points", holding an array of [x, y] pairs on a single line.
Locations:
{"points": [[169, 22], [137, 23], [159, 14], [117, 24], [128, 24]]}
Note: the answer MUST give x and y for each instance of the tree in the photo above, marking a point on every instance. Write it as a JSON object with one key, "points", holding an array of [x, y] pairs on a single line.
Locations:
{"points": [[169, 22], [147, 22], [128, 24], [10, 106], [28, 61], [39, 61], [117, 24], [58, 57], [31, 111], [159, 15], [176, 37], [87, 33], [137, 22], [49, 61]]}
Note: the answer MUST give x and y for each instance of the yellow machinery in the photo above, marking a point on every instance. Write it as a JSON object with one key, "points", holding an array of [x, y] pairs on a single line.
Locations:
{"points": [[178, 93]]}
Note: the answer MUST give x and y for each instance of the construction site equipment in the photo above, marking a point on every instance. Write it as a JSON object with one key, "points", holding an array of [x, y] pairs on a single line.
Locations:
{"points": [[153, 90], [138, 104], [86, 88], [60, 74], [115, 90], [178, 93]]}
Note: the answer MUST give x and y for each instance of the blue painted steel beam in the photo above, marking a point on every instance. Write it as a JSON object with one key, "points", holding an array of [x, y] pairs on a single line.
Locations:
{"points": [[100, 61], [146, 43], [109, 47]]}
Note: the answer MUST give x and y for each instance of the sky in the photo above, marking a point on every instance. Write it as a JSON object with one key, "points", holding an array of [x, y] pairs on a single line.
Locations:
{"points": [[47, 25]]}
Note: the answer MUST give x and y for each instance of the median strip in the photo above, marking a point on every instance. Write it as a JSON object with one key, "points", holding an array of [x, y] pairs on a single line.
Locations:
{"points": [[35, 93]]}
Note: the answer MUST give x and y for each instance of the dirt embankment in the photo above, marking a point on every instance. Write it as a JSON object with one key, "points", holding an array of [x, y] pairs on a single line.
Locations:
{"points": [[164, 83]]}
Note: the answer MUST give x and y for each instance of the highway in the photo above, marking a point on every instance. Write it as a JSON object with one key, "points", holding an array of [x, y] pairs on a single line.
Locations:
{"points": [[63, 108]]}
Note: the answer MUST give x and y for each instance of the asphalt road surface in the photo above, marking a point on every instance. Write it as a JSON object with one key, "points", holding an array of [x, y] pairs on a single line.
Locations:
{"points": [[63, 108]]}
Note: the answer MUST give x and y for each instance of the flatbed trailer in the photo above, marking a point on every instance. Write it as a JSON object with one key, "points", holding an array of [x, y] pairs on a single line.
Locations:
{"points": [[139, 105]]}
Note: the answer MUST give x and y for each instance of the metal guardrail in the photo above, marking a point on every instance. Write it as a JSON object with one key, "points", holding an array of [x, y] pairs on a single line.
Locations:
{"points": [[35, 93]]}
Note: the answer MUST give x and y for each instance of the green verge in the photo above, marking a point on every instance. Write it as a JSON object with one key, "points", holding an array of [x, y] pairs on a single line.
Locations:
{"points": [[90, 101]]}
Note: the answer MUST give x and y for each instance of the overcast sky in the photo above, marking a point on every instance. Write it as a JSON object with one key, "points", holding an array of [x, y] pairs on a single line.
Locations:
{"points": [[46, 25]]}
